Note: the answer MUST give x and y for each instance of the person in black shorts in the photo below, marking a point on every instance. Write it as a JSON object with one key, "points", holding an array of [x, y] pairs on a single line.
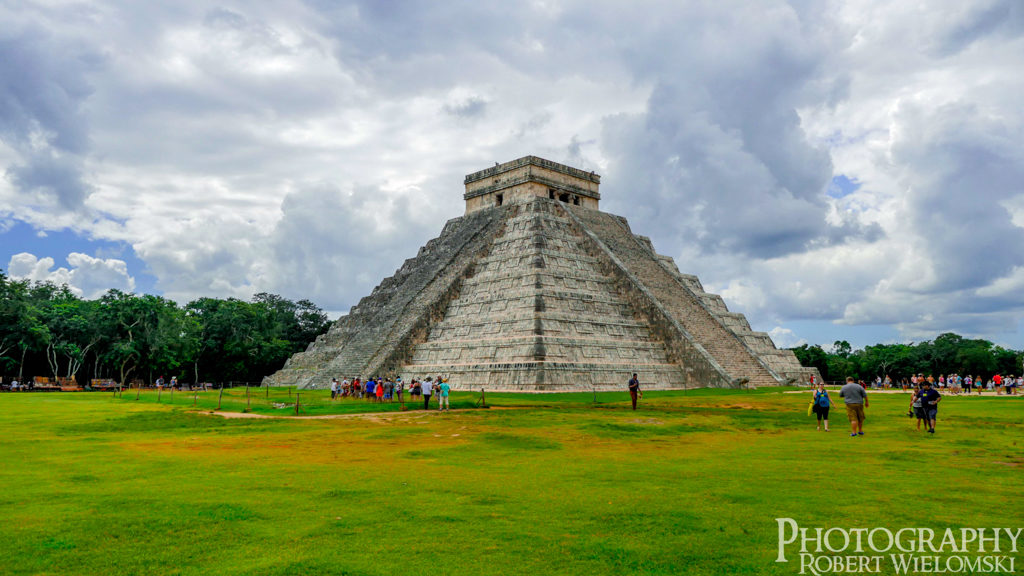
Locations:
{"points": [[917, 409], [821, 405], [930, 404]]}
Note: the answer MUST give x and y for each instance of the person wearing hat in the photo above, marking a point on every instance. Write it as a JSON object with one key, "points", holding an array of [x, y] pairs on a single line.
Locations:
{"points": [[426, 390], [930, 403]]}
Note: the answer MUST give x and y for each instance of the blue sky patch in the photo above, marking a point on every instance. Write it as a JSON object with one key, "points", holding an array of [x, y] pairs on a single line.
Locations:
{"points": [[57, 244], [842, 186]]}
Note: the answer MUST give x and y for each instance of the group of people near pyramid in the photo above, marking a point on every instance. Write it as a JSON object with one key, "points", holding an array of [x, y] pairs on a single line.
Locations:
{"points": [[377, 389], [955, 383]]}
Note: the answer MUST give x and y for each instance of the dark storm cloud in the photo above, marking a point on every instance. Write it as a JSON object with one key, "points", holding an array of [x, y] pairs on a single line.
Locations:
{"points": [[960, 167], [339, 244], [981, 20], [46, 175], [43, 87], [469, 108], [738, 170]]}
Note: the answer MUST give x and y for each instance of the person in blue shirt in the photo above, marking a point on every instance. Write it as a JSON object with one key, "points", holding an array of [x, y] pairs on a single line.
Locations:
{"points": [[821, 405], [930, 403], [371, 390], [634, 389], [443, 391]]}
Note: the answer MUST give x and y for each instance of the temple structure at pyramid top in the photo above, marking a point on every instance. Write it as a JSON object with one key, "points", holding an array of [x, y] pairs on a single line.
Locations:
{"points": [[531, 177], [536, 289]]}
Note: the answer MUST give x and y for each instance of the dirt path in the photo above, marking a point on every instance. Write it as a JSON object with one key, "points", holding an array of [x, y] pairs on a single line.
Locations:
{"points": [[410, 413]]}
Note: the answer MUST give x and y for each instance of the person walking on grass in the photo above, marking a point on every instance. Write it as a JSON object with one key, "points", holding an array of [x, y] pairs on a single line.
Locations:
{"points": [[634, 389], [856, 399], [930, 403], [821, 405], [917, 409], [443, 402], [426, 390]]}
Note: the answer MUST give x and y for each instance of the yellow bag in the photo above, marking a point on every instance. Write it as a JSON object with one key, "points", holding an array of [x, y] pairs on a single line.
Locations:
{"points": [[810, 408]]}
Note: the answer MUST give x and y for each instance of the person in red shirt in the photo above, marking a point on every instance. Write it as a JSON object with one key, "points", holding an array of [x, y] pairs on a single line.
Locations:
{"points": [[998, 381]]}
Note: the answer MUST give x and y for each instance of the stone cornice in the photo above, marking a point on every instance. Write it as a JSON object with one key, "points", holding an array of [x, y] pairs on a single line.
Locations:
{"points": [[532, 178], [533, 161]]}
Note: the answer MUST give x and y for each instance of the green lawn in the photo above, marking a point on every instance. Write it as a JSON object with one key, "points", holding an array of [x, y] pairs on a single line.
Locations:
{"points": [[539, 484]]}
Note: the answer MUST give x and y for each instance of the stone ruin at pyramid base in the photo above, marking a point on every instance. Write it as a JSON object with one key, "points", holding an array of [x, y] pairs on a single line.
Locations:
{"points": [[535, 289]]}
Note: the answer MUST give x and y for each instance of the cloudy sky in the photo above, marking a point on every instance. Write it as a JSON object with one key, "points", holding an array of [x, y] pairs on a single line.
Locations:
{"points": [[836, 170]]}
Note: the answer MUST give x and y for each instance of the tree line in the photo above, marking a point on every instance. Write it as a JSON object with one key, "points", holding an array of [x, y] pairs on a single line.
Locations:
{"points": [[46, 330], [949, 353]]}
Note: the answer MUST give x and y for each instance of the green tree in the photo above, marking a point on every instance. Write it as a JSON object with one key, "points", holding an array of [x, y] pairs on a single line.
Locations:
{"points": [[813, 357]]}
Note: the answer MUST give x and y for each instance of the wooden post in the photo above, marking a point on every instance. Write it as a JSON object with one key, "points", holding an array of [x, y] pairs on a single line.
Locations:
{"points": [[268, 391], [221, 395], [172, 394], [159, 393], [296, 402], [248, 402], [483, 398], [594, 390], [195, 398], [138, 390]]}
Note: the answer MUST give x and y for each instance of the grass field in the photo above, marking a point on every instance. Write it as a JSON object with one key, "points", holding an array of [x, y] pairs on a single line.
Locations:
{"points": [[544, 484]]}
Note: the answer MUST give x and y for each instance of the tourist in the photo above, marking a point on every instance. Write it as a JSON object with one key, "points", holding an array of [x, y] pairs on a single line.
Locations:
{"points": [[425, 390], [400, 389], [930, 403], [856, 399], [379, 391], [821, 405], [442, 403], [634, 389], [371, 390], [917, 409], [334, 388]]}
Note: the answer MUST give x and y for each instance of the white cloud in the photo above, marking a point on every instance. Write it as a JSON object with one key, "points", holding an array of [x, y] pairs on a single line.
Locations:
{"points": [[86, 276], [308, 148], [785, 338]]}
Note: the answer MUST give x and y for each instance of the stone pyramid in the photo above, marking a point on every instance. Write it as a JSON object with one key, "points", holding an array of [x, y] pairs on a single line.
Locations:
{"points": [[536, 289]]}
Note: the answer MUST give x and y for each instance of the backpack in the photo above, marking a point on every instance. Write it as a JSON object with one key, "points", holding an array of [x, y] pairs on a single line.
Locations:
{"points": [[822, 398]]}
